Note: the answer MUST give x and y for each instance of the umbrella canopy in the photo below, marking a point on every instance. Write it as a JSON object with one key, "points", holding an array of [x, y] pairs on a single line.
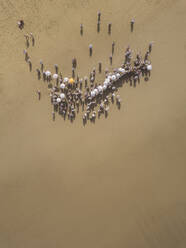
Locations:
{"points": [[121, 70], [93, 94], [58, 99], [96, 91], [109, 78], [106, 83], [65, 80], [55, 76], [104, 87], [149, 67], [71, 81], [113, 77], [117, 75], [62, 86], [62, 96], [100, 88], [48, 73]]}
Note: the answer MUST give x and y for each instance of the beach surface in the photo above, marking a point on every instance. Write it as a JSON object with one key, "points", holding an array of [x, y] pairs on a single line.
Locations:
{"points": [[120, 182]]}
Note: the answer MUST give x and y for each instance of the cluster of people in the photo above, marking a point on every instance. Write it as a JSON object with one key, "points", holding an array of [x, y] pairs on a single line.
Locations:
{"points": [[70, 95]]}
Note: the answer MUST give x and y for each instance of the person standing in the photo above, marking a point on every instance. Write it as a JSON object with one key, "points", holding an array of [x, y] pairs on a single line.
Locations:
{"points": [[99, 16], [113, 46], [132, 25], [109, 28], [81, 29], [90, 50]]}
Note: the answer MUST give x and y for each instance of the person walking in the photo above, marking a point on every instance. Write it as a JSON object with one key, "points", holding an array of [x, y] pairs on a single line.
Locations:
{"points": [[98, 26], [38, 74], [132, 25], [110, 58], [81, 29], [113, 46], [99, 16], [99, 67], [32, 39], [39, 94], [42, 66], [26, 55], [109, 28], [90, 50], [27, 40], [56, 68]]}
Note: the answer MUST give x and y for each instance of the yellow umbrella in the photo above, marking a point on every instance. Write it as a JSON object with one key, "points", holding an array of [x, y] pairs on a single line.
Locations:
{"points": [[71, 81]]}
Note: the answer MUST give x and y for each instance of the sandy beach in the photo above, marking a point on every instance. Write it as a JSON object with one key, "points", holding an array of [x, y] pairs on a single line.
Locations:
{"points": [[120, 182]]}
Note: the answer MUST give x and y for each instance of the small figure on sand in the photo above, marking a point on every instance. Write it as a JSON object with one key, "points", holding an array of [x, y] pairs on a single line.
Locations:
{"points": [[99, 16], [42, 66], [110, 58], [99, 67], [26, 54], [20, 24], [32, 39], [53, 115], [81, 29], [74, 62], [39, 94], [109, 28], [150, 46], [113, 46], [132, 25], [27, 40], [98, 26], [90, 50]]}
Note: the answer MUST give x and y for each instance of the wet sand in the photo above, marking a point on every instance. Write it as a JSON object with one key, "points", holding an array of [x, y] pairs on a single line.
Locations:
{"points": [[120, 182]]}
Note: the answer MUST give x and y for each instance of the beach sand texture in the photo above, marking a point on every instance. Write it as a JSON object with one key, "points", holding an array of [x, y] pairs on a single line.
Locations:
{"points": [[120, 182]]}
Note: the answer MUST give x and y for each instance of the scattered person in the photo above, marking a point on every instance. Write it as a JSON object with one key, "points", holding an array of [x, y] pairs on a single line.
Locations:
{"points": [[98, 26], [27, 40], [132, 25], [90, 50], [110, 58], [99, 67], [20, 24], [113, 46], [39, 94], [109, 28], [81, 29], [42, 66], [99, 16], [32, 39]]}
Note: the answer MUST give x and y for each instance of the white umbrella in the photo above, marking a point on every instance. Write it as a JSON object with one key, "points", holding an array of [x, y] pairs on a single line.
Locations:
{"points": [[149, 67], [65, 80], [100, 88], [55, 76], [109, 78], [96, 91], [106, 83], [113, 77], [48, 73], [93, 94], [62, 96], [62, 86], [58, 99], [117, 75], [104, 87], [121, 70]]}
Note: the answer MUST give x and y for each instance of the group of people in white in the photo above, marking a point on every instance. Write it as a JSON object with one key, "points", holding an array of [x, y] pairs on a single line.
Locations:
{"points": [[68, 95]]}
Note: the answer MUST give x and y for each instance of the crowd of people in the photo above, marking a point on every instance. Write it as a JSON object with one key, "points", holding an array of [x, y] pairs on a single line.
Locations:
{"points": [[69, 96]]}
